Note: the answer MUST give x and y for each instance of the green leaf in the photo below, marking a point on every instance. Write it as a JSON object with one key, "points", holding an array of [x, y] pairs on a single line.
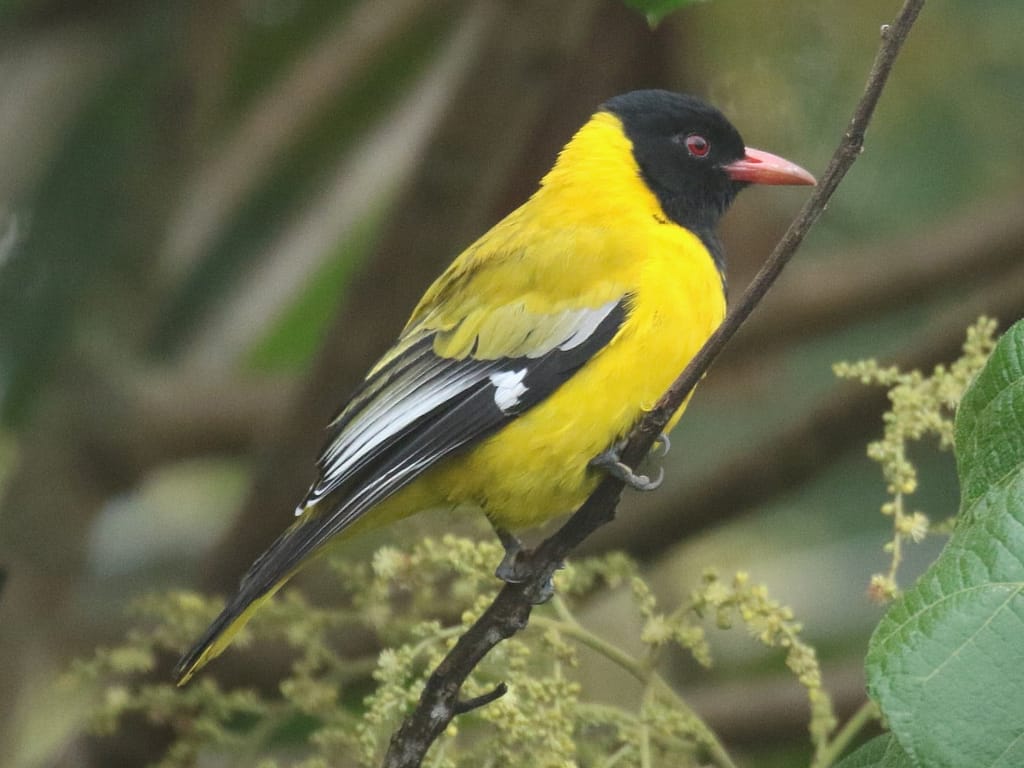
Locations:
{"points": [[656, 10], [946, 663], [990, 422], [881, 752]]}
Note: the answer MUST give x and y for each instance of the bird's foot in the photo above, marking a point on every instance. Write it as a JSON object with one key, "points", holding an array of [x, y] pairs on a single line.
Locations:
{"points": [[514, 569], [662, 445], [511, 569], [610, 462]]}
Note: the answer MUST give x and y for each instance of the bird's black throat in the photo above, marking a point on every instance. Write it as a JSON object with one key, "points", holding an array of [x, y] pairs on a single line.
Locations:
{"points": [[692, 187]]}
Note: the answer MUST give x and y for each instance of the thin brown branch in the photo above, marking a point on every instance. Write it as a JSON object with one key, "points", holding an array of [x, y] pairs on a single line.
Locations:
{"points": [[157, 417], [99, 436], [510, 611]]}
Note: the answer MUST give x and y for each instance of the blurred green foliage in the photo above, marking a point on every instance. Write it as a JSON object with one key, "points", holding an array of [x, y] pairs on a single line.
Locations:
{"points": [[656, 10], [295, 337], [546, 718], [294, 179], [85, 219], [155, 93], [410, 598]]}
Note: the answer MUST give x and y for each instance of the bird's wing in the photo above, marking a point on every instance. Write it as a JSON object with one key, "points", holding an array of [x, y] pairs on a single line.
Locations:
{"points": [[445, 389], [438, 391], [423, 404]]}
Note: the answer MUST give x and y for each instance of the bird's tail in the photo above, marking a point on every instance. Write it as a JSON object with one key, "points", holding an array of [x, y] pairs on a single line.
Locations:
{"points": [[303, 539], [222, 631], [269, 573]]}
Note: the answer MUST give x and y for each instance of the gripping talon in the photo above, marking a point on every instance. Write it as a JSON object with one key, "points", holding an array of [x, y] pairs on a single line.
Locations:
{"points": [[609, 462], [512, 570], [547, 591], [662, 445], [651, 484]]}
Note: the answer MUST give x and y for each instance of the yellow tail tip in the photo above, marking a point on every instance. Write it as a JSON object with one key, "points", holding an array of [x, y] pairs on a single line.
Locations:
{"points": [[191, 663], [219, 635]]}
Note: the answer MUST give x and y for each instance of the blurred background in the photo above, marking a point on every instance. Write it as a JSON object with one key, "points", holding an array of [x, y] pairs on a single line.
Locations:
{"points": [[214, 216]]}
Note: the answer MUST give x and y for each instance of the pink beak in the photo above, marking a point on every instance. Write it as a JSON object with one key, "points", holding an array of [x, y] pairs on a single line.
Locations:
{"points": [[759, 167]]}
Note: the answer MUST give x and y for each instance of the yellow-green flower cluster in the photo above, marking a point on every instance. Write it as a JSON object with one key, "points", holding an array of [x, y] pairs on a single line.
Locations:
{"points": [[921, 406], [417, 602]]}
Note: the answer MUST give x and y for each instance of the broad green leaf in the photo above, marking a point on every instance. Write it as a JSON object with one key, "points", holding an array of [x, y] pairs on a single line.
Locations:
{"points": [[881, 752], [656, 10], [946, 663], [990, 422]]}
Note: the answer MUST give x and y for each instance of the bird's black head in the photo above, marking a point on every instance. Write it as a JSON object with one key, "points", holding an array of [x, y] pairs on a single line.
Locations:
{"points": [[693, 159], [682, 146]]}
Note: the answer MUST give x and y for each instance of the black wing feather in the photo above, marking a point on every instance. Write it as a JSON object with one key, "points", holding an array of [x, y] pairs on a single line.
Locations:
{"points": [[375, 474], [435, 436]]}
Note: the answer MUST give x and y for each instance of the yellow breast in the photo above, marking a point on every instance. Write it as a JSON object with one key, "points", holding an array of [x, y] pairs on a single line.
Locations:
{"points": [[536, 467], [593, 232]]}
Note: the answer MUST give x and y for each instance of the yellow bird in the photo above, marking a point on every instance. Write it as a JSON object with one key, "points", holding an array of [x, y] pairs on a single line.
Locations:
{"points": [[529, 360]]}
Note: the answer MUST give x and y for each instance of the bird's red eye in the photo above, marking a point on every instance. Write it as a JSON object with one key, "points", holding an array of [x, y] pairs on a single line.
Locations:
{"points": [[697, 145]]}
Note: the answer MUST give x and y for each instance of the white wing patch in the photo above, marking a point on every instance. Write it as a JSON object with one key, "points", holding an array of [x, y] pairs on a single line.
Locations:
{"points": [[584, 323], [394, 407], [395, 400], [508, 388]]}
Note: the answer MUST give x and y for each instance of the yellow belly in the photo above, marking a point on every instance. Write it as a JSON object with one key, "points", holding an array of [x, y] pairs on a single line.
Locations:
{"points": [[536, 467]]}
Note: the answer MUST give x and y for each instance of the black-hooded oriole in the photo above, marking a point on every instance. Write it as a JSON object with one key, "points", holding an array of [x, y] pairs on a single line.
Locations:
{"points": [[540, 346]]}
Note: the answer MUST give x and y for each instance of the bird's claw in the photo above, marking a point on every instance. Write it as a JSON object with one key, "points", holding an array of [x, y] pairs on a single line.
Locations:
{"points": [[609, 462], [662, 445], [513, 570]]}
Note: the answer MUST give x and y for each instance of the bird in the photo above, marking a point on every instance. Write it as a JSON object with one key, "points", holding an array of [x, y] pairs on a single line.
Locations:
{"points": [[527, 362]]}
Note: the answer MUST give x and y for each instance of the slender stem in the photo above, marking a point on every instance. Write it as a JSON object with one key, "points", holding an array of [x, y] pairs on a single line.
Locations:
{"points": [[598, 644], [616, 756], [558, 604], [442, 634], [645, 729], [867, 712], [643, 674], [897, 536], [708, 738]]}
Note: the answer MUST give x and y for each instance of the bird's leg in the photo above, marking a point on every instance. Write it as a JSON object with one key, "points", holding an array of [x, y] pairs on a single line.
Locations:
{"points": [[610, 461], [512, 569]]}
